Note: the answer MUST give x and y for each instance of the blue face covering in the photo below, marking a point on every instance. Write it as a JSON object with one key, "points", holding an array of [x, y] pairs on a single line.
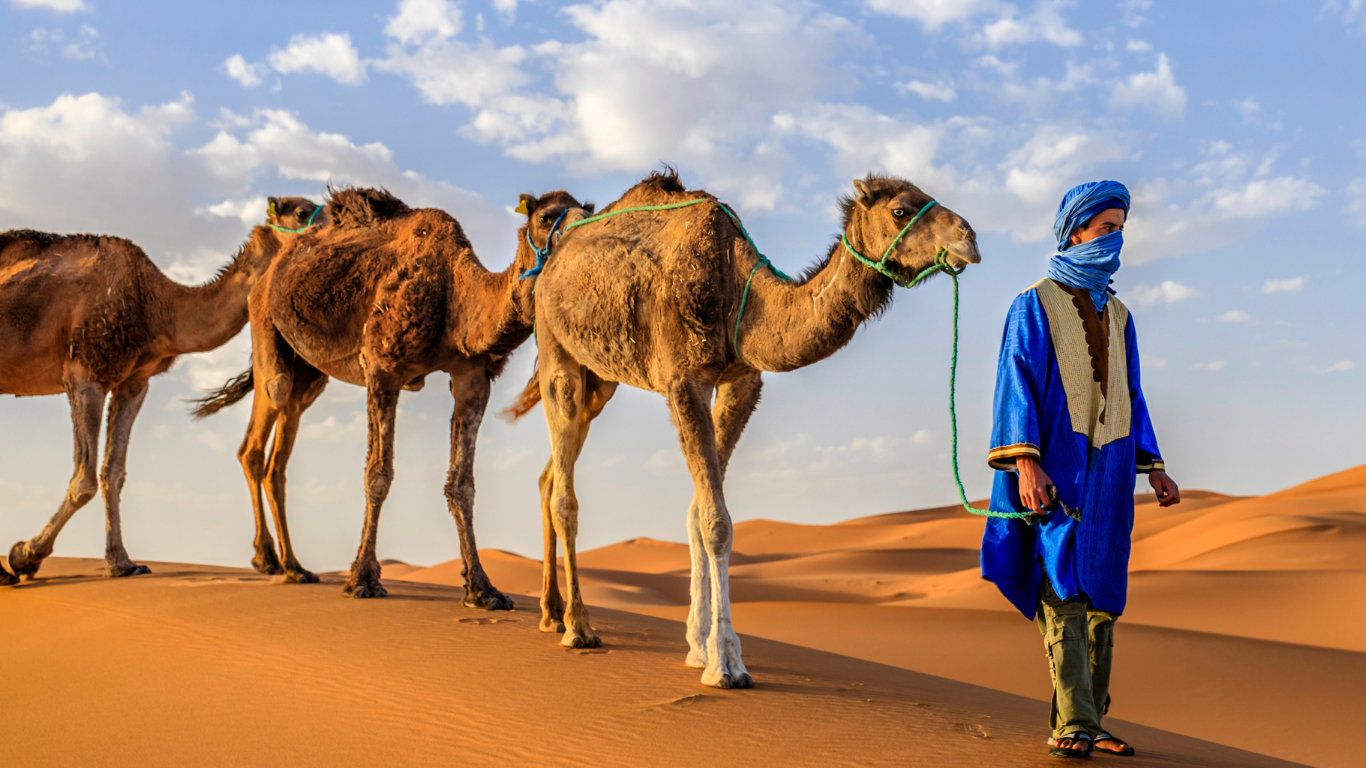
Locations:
{"points": [[1088, 266]]}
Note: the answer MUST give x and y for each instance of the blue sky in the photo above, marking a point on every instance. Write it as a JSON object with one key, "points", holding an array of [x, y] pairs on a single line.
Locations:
{"points": [[1237, 126]]}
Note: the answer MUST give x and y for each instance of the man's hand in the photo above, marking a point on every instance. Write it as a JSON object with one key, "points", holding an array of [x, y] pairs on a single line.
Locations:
{"points": [[1163, 485], [1034, 484]]}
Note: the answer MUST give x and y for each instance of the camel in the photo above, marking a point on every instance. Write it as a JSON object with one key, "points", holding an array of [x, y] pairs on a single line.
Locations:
{"points": [[92, 316], [652, 300], [381, 298]]}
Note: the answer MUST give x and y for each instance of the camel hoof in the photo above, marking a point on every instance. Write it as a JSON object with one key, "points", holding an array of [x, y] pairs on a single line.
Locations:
{"points": [[22, 560], [547, 624], [7, 579], [727, 682], [299, 576], [266, 562], [489, 600], [119, 570], [365, 591], [572, 640]]}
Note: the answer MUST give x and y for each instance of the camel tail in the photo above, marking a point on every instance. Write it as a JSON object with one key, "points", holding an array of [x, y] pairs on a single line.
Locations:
{"points": [[530, 397], [216, 400]]}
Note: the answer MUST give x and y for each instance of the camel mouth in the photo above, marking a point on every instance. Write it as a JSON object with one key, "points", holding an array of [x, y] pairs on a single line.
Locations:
{"points": [[963, 254]]}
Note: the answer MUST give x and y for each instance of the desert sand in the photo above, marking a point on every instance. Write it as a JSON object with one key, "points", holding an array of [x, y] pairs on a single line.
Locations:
{"points": [[873, 642], [1245, 614]]}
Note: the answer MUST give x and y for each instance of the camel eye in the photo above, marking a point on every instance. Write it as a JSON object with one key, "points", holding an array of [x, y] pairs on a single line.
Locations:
{"points": [[899, 213]]}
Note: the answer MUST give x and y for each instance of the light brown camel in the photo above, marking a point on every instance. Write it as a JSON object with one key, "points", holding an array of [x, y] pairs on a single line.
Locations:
{"points": [[92, 316], [651, 299], [379, 299]]}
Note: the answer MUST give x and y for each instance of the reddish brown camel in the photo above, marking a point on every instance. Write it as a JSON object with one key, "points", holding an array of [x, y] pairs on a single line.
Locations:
{"points": [[92, 316], [382, 297], [651, 299]]}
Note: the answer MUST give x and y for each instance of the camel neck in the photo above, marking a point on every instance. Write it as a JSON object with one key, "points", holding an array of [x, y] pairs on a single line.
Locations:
{"points": [[789, 326], [207, 316], [488, 316]]}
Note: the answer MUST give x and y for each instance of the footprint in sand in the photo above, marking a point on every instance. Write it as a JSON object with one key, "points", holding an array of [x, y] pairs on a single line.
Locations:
{"points": [[586, 651], [204, 581], [482, 621], [973, 730]]}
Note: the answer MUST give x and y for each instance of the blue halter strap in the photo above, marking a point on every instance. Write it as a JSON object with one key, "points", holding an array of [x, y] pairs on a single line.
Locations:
{"points": [[542, 253], [300, 230]]}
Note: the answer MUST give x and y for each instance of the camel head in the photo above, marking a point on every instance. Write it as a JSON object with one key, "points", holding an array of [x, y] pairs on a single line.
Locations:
{"points": [[551, 211], [881, 209], [291, 212]]}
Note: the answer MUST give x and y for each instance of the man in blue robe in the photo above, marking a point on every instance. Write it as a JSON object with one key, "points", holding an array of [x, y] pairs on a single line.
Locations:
{"points": [[1071, 432]]}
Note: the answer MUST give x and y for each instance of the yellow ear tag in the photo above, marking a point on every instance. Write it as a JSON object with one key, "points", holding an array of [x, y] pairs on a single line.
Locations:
{"points": [[270, 209], [521, 208]]}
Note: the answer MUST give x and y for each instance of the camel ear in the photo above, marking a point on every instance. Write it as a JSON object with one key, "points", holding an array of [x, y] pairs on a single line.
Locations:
{"points": [[272, 207], [590, 207], [527, 205], [865, 195]]}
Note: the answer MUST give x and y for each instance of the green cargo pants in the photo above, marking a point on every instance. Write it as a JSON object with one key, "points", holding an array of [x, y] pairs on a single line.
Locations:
{"points": [[1081, 643]]}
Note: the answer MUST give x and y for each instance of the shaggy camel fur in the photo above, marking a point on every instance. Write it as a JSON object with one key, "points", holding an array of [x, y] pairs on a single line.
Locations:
{"points": [[650, 299], [92, 316], [382, 297]]}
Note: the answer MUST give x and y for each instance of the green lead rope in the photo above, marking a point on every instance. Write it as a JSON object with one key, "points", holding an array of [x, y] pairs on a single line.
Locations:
{"points": [[941, 264]]}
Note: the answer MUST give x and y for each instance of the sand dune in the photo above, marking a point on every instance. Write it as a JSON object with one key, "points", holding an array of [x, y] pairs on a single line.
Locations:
{"points": [[195, 665], [1244, 613]]}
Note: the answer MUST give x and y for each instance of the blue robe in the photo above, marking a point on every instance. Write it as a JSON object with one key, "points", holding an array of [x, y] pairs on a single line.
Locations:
{"points": [[1050, 405]]}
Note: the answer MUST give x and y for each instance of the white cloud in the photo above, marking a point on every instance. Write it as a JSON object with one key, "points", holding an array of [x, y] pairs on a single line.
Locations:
{"points": [[83, 47], [1249, 109], [1293, 285], [60, 6], [507, 9], [667, 463], [1154, 91], [1133, 11], [1356, 200], [934, 14], [1352, 11], [1236, 317], [247, 73], [1168, 292], [425, 20], [330, 54], [938, 91], [1340, 366], [1149, 361], [1217, 365], [1045, 24], [1139, 46]]}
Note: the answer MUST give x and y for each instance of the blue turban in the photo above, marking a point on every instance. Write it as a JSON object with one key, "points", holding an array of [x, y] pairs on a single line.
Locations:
{"points": [[1088, 266]]}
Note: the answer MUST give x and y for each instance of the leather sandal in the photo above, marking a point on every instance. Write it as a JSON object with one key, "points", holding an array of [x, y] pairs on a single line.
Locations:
{"points": [[1076, 744], [1124, 749]]}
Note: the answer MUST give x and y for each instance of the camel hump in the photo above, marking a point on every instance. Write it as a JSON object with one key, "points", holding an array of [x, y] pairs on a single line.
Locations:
{"points": [[362, 206]]}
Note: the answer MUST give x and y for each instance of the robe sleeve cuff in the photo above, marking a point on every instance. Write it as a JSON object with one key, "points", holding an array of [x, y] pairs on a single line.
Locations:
{"points": [[1003, 458], [1156, 465]]}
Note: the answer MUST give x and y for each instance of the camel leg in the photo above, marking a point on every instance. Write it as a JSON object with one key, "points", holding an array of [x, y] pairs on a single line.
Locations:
{"points": [[286, 430], [735, 403], [252, 455], [552, 605], [87, 400], [471, 392], [688, 406], [124, 404], [381, 398]]}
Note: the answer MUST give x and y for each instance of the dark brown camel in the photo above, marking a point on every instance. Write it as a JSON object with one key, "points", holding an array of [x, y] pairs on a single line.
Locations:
{"points": [[92, 316], [382, 297], [651, 299]]}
